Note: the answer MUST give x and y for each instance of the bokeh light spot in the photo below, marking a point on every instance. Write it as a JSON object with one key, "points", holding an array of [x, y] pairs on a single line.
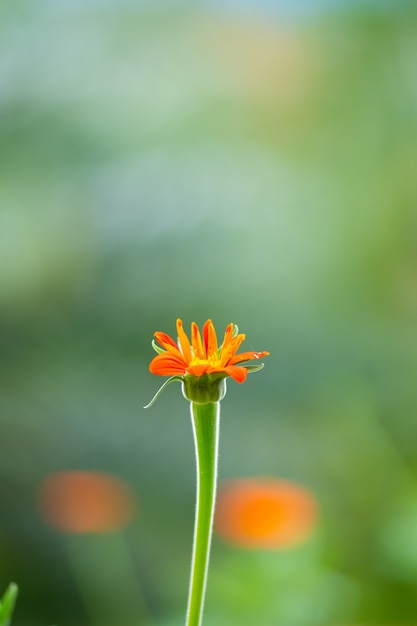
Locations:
{"points": [[86, 502], [265, 513]]}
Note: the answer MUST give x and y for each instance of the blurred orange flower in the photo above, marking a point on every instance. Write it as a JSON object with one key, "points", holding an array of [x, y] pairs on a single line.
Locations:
{"points": [[85, 502], [202, 355], [265, 513]]}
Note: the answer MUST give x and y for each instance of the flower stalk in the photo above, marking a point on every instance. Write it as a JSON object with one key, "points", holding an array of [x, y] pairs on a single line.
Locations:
{"points": [[206, 421], [202, 366]]}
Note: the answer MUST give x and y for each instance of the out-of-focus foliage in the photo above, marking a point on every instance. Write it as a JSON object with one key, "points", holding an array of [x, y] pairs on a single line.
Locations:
{"points": [[161, 160], [7, 602]]}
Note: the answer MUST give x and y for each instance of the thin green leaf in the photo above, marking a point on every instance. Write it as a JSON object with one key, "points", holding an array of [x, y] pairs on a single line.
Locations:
{"points": [[7, 604], [157, 348], [158, 393], [254, 368]]}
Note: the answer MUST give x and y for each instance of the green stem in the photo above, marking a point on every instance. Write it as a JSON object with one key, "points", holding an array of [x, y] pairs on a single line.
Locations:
{"points": [[205, 419]]}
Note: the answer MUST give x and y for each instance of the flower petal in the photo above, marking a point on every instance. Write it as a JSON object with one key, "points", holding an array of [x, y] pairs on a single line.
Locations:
{"points": [[228, 336], [239, 374], [167, 343], [184, 342], [199, 369], [196, 342], [210, 339], [247, 356], [227, 355], [167, 365]]}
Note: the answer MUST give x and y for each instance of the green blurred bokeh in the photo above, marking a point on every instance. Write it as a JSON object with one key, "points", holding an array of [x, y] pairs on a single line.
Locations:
{"points": [[187, 160]]}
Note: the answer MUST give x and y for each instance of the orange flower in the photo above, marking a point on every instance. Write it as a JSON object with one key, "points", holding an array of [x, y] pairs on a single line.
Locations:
{"points": [[86, 502], [265, 513], [203, 355]]}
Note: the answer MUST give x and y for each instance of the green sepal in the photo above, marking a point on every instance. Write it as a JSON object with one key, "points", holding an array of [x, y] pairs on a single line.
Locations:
{"points": [[254, 368], [7, 603], [158, 393], [204, 389], [157, 348]]}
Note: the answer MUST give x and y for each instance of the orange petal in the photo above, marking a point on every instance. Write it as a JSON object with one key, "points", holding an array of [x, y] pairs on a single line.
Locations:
{"points": [[167, 365], [210, 339], [184, 342], [233, 347], [196, 342], [239, 374], [228, 336], [230, 349], [247, 356], [198, 370], [167, 343]]}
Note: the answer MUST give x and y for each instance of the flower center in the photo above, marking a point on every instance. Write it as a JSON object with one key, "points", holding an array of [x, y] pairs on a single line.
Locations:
{"points": [[213, 360]]}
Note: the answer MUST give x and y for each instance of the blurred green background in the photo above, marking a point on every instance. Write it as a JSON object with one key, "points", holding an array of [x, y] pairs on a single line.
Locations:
{"points": [[251, 162]]}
